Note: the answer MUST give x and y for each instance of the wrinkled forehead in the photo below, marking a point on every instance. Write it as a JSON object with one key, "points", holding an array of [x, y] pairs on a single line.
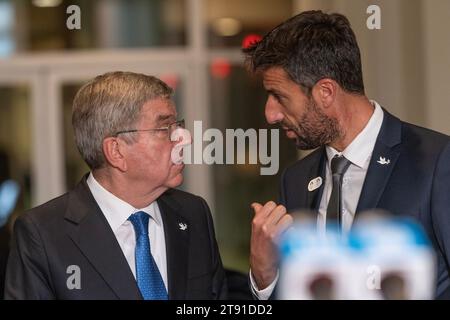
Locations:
{"points": [[274, 77], [158, 112]]}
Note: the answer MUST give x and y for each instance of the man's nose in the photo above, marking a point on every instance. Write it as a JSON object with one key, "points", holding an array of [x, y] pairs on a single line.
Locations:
{"points": [[273, 111]]}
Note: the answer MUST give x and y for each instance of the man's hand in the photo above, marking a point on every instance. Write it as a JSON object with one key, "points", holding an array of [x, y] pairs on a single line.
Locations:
{"points": [[268, 223]]}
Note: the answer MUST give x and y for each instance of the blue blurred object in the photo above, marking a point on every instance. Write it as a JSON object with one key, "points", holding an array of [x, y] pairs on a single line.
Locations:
{"points": [[9, 193], [385, 257]]}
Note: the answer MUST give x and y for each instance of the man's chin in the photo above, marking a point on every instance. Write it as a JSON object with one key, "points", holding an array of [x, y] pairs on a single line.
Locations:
{"points": [[176, 181]]}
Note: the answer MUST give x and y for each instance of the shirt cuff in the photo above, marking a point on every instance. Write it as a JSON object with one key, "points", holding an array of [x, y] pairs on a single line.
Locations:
{"points": [[263, 294]]}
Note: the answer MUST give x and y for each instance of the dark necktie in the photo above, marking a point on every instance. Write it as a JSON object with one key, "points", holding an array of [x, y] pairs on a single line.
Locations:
{"points": [[148, 278], [339, 164]]}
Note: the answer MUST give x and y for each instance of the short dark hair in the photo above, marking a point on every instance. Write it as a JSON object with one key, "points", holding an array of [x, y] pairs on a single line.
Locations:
{"points": [[311, 46]]}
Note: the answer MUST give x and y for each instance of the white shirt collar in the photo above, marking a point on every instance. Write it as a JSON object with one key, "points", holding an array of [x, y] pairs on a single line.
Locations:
{"points": [[116, 210], [360, 149]]}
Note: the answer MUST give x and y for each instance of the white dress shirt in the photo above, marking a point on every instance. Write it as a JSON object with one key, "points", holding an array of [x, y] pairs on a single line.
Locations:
{"points": [[359, 153], [117, 212]]}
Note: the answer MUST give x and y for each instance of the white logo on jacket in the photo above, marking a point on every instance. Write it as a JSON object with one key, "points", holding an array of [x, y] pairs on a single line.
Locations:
{"points": [[183, 226], [384, 161]]}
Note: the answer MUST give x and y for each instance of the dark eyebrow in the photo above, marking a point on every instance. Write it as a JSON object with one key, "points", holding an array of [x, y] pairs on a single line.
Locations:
{"points": [[274, 92]]}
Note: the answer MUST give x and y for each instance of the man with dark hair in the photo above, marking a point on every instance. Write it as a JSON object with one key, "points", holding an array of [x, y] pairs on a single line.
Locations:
{"points": [[366, 158], [124, 232]]}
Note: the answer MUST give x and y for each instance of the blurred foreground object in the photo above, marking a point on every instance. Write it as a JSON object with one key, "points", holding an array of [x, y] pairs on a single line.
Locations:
{"points": [[9, 193], [381, 258]]}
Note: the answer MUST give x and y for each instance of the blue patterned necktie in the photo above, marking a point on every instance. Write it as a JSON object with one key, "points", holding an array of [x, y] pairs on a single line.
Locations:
{"points": [[148, 278]]}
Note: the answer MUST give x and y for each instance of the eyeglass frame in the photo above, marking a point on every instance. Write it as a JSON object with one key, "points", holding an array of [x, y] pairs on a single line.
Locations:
{"points": [[178, 124]]}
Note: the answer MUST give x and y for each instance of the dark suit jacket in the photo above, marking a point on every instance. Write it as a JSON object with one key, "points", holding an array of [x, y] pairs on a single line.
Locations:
{"points": [[416, 183], [72, 230]]}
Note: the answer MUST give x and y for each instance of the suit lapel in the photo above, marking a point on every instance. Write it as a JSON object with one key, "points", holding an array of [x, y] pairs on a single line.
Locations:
{"points": [[91, 233], [382, 163], [176, 230]]}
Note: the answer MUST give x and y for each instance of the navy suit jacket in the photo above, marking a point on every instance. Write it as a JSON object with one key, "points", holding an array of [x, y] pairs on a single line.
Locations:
{"points": [[416, 183], [72, 230]]}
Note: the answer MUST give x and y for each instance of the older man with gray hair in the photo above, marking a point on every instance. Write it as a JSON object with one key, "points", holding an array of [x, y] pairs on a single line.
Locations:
{"points": [[124, 232]]}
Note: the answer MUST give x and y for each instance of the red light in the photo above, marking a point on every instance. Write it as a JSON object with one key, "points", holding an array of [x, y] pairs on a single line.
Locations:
{"points": [[220, 68], [250, 40]]}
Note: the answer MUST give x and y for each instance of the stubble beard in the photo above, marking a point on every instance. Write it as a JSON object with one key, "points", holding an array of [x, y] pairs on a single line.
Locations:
{"points": [[315, 129]]}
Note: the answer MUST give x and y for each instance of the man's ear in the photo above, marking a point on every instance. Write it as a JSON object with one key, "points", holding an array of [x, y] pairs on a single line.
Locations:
{"points": [[113, 151], [325, 92]]}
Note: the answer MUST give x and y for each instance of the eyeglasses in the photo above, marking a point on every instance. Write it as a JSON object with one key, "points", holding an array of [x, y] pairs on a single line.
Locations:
{"points": [[169, 129]]}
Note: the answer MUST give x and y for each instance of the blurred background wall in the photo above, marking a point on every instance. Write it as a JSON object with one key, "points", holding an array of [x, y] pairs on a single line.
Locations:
{"points": [[194, 45]]}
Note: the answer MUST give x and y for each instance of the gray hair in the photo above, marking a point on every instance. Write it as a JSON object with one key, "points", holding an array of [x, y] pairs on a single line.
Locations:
{"points": [[110, 103]]}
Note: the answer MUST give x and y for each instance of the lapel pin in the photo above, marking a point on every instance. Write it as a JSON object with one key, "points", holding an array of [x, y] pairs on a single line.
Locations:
{"points": [[183, 226], [384, 161], [314, 184]]}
